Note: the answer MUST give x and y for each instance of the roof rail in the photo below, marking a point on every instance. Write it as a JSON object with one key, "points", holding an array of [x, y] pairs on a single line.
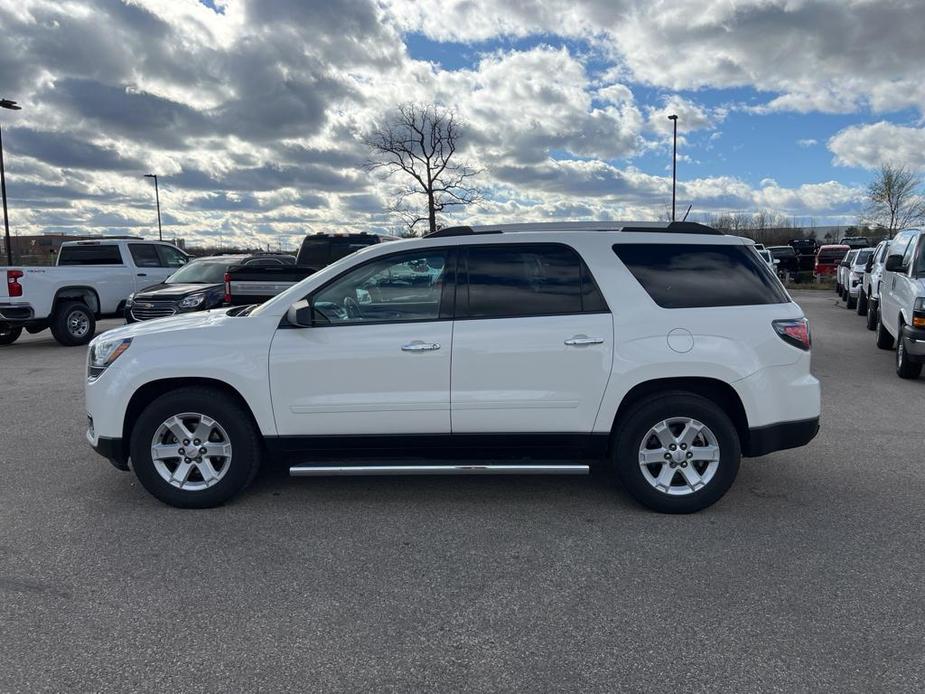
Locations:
{"points": [[657, 227]]}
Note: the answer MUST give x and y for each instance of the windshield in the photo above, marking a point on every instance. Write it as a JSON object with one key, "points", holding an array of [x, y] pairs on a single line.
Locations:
{"points": [[200, 272], [832, 255], [863, 256]]}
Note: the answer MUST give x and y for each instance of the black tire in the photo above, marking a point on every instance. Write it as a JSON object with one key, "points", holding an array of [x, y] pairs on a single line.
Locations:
{"points": [[872, 313], [838, 288], [884, 339], [9, 334], [233, 418], [862, 303], [904, 367], [630, 435], [73, 324], [850, 302]]}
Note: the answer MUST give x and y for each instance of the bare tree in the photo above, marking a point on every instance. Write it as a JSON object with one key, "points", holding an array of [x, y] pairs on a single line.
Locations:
{"points": [[421, 142], [894, 199]]}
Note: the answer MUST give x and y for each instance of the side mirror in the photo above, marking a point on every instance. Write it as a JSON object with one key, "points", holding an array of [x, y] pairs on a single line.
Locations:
{"points": [[300, 314], [894, 263], [869, 265]]}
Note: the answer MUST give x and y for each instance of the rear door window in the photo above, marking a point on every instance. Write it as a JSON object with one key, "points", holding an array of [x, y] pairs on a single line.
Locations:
{"points": [[145, 254], [508, 281], [90, 254], [701, 275]]}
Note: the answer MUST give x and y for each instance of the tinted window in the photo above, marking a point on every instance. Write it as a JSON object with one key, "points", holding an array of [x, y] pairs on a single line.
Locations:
{"points": [[145, 254], [862, 256], [528, 280], [90, 255], [831, 255], [345, 245], [696, 275], [399, 288], [171, 257], [262, 262], [783, 252]]}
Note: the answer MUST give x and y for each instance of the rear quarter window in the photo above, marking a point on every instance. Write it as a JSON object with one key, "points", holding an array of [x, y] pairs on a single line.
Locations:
{"points": [[701, 275]]}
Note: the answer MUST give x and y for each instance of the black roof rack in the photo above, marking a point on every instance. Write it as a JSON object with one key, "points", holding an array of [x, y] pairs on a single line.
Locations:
{"points": [[679, 228], [450, 231]]}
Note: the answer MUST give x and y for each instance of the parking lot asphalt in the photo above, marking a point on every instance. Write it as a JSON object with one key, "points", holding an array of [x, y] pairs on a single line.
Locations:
{"points": [[807, 576]]}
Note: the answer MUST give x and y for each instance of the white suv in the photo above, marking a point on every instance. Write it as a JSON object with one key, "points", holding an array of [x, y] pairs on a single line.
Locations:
{"points": [[854, 275], [869, 298], [661, 353]]}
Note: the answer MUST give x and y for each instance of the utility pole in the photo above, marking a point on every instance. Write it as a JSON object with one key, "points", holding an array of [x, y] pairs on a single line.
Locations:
{"points": [[674, 165], [12, 106], [157, 198]]}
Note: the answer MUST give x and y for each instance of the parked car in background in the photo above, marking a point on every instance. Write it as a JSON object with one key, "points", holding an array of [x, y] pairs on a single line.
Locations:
{"points": [[806, 250], [901, 318], [869, 300], [855, 242], [90, 279], [198, 286], [474, 344], [828, 258], [841, 272], [768, 258], [254, 285], [854, 275], [787, 259]]}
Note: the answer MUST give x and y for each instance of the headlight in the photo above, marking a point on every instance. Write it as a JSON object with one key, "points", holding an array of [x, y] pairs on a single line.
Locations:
{"points": [[103, 354], [130, 300], [192, 301]]}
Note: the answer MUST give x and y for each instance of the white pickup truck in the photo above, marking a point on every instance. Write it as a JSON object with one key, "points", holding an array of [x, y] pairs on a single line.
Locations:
{"points": [[90, 279]]}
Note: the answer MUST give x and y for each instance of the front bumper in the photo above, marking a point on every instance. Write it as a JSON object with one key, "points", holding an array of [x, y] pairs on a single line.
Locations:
{"points": [[111, 449], [914, 339], [779, 437]]}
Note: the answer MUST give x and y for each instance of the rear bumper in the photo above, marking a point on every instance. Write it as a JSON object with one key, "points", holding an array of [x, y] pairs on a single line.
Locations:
{"points": [[16, 313], [780, 436]]}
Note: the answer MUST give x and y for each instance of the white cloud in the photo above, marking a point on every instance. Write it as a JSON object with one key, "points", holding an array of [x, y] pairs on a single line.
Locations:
{"points": [[808, 142], [869, 146]]}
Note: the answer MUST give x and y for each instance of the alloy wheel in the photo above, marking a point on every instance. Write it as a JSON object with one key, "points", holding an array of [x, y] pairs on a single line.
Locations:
{"points": [[191, 451], [679, 456]]}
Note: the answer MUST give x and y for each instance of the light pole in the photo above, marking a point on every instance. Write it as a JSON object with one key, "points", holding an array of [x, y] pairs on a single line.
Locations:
{"points": [[674, 165], [6, 103], [157, 199]]}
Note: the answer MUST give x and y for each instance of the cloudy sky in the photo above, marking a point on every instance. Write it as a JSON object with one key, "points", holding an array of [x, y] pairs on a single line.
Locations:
{"points": [[252, 111]]}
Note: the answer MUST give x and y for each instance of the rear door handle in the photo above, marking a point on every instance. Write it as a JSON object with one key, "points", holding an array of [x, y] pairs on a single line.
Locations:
{"points": [[584, 340], [418, 346], [142, 274]]}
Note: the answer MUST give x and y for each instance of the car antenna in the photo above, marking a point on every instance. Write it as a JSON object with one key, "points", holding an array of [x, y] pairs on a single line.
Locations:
{"points": [[684, 218]]}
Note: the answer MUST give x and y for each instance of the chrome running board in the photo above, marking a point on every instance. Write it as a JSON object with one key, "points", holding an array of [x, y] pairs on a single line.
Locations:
{"points": [[346, 470]]}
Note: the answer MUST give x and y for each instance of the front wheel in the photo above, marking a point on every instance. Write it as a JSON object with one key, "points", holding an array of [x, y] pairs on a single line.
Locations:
{"points": [[677, 453], [9, 334], [195, 448], [850, 301], [872, 312], [905, 368]]}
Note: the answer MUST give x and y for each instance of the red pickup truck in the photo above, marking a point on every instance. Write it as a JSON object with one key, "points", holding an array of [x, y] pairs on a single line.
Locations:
{"points": [[828, 258]]}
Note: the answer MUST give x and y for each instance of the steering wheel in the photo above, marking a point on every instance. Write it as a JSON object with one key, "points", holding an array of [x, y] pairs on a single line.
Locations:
{"points": [[352, 307]]}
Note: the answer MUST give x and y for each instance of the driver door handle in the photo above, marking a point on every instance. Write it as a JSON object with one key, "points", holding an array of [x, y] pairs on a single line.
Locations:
{"points": [[584, 340], [418, 346]]}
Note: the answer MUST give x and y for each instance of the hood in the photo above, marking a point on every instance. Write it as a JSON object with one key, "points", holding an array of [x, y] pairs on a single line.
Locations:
{"points": [[175, 291], [181, 321]]}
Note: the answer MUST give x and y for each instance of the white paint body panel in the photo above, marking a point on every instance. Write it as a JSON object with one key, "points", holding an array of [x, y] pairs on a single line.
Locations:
{"points": [[347, 379]]}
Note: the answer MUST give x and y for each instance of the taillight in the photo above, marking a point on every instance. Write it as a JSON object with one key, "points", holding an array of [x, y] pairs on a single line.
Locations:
{"points": [[227, 288], [14, 288], [918, 313], [794, 332]]}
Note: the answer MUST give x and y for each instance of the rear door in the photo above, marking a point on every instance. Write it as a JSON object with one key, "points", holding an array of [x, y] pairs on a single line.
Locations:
{"points": [[532, 341], [150, 267]]}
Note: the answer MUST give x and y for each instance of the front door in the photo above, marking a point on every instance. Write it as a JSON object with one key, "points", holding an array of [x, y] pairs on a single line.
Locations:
{"points": [[532, 344], [377, 358]]}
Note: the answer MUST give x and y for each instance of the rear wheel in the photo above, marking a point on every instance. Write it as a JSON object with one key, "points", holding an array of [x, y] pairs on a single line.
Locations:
{"points": [[862, 303], [850, 301], [195, 448], [676, 453], [884, 339], [905, 368], [9, 334], [73, 324]]}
